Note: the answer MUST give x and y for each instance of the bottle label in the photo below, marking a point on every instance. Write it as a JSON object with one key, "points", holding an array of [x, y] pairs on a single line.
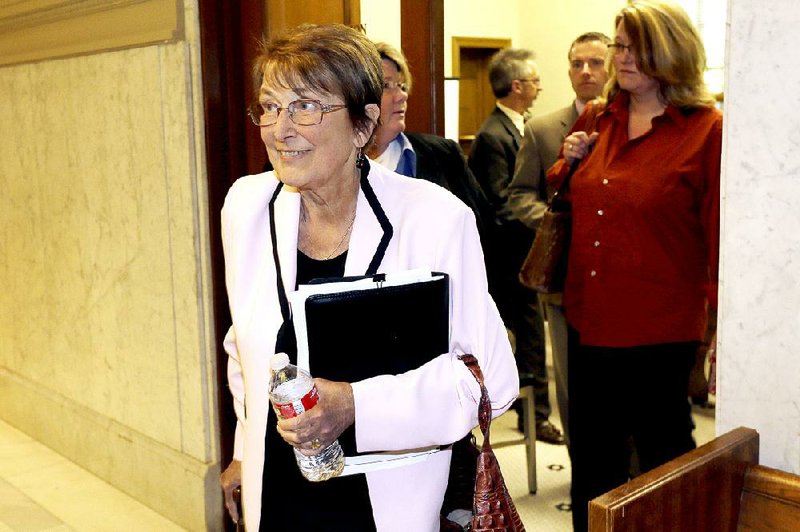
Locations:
{"points": [[298, 406]]}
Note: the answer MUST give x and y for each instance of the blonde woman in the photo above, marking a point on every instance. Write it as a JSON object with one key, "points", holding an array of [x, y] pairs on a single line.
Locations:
{"points": [[644, 251]]}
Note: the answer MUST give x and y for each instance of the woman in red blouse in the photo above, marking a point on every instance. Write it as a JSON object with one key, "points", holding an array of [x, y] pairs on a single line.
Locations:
{"points": [[644, 251]]}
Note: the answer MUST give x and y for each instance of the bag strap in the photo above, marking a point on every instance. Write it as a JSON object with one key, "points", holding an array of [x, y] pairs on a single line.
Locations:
{"points": [[484, 407], [591, 125]]}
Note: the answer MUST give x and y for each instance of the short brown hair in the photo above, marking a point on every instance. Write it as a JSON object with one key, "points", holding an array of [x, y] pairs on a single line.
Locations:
{"points": [[589, 36], [330, 58], [668, 48]]}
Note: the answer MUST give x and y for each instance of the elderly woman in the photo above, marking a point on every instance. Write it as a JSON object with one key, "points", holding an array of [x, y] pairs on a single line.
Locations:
{"points": [[325, 211], [643, 257]]}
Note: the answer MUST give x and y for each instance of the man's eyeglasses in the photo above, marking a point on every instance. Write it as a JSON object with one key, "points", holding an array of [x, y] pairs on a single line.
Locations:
{"points": [[301, 112], [594, 63], [617, 48], [392, 85], [536, 81]]}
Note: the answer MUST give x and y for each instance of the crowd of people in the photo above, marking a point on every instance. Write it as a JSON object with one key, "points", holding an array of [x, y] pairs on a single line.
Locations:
{"points": [[351, 192]]}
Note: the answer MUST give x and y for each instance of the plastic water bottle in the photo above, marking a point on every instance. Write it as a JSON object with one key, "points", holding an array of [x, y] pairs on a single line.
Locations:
{"points": [[292, 392]]}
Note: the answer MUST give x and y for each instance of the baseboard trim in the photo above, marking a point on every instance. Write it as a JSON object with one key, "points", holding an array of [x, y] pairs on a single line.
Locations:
{"points": [[179, 487]]}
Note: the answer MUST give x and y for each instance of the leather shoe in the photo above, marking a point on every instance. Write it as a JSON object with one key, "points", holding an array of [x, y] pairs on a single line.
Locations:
{"points": [[549, 433]]}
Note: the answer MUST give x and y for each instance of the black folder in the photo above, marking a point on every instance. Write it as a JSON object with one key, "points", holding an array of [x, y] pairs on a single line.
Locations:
{"points": [[357, 334]]}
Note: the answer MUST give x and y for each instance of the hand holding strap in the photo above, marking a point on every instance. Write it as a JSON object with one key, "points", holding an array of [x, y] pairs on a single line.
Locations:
{"points": [[492, 507], [590, 127]]}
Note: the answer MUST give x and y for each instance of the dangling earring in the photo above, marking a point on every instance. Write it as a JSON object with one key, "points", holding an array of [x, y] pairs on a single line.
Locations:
{"points": [[360, 159]]}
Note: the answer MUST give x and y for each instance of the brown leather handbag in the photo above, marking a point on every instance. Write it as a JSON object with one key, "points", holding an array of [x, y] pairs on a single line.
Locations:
{"points": [[492, 507], [545, 268]]}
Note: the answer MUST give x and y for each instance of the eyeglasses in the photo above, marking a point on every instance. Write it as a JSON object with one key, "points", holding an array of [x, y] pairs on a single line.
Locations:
{"points": [[617, 48], [301, 112], [536, 81], [392, 85], [594, 63]]}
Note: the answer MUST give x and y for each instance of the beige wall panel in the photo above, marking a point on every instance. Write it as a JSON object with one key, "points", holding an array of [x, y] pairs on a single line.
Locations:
{"points": [[105, 349], [34, 30]]}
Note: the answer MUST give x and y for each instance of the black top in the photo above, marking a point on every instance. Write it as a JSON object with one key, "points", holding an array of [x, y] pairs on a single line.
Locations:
{"points": [[289, 502], [308, 268]]}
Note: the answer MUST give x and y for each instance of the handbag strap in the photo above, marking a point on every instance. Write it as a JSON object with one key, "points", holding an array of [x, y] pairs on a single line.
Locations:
{"points": [[484, 407], [591, 125]]}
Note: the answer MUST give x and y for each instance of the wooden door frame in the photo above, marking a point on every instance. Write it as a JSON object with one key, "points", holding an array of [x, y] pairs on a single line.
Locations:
{"points": [[229, 41], [473, 42], [459, 44], [422, 41]]}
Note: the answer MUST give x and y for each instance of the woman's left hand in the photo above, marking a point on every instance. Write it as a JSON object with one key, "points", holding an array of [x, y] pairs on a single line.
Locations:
{"points": [[315, 429]]}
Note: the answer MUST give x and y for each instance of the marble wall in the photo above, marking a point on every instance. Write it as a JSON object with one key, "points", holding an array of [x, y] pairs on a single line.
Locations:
{"points": [[106, 347], [759, 327]]}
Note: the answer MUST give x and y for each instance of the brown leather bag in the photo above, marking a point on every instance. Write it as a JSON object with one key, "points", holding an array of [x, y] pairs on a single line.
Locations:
{"points": [[545, 268], [492, 507]]}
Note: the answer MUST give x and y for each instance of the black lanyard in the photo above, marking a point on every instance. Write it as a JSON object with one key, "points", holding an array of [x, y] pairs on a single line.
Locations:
{"points": [[286, 341]]}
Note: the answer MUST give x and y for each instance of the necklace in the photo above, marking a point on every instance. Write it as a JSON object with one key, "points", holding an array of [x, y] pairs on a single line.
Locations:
{"points": [[346, 232]]}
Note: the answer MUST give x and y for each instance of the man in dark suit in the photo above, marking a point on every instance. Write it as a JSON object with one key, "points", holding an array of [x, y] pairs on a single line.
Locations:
{"points": [[527, 193], [515, 81]]}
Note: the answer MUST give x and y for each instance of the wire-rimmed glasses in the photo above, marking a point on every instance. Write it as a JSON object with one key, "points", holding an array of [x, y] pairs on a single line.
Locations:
{"points": [[304, 112]]}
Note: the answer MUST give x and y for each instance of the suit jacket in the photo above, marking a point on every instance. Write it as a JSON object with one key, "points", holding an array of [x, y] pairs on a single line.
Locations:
{"points": [[492, 159], [433, 405], [441, 161], [527, 194]]}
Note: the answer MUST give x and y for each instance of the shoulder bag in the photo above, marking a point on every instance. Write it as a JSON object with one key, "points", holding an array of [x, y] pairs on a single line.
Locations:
{"points": [[545, 267]]}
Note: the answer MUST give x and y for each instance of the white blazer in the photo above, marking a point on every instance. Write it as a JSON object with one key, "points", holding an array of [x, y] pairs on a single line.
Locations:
{"points": [[435, 404]]}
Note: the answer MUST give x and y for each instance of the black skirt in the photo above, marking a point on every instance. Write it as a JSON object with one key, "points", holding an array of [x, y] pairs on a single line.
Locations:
{"points": [[289, 502]]}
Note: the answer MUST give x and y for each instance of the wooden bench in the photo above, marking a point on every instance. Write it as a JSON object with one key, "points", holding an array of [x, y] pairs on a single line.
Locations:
{"points": [[716, 487]]}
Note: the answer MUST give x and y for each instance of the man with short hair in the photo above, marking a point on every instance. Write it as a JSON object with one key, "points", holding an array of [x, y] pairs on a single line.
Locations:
{"points": [[528, 192], [515, 81]]}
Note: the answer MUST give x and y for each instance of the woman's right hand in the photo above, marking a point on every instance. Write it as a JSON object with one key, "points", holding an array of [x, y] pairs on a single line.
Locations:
{"points": [[231, 479], [315, 429], [577, 145]]}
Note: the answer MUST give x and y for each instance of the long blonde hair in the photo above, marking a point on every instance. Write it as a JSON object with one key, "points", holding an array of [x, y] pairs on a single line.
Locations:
{"points": [[668, 48]]}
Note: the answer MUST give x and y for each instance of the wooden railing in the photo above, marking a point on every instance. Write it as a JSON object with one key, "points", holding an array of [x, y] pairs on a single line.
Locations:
{"points": [[716, 487]]}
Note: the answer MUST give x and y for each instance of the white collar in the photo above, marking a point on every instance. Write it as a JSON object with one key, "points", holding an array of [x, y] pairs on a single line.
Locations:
{"points": [[516, 118]]}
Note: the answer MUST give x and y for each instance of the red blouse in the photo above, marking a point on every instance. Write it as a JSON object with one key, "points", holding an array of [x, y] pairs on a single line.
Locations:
{"points": [[644, 254]]}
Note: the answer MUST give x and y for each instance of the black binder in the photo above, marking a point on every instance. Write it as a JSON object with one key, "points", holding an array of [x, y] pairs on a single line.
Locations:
{"points": [[357, 334]]}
